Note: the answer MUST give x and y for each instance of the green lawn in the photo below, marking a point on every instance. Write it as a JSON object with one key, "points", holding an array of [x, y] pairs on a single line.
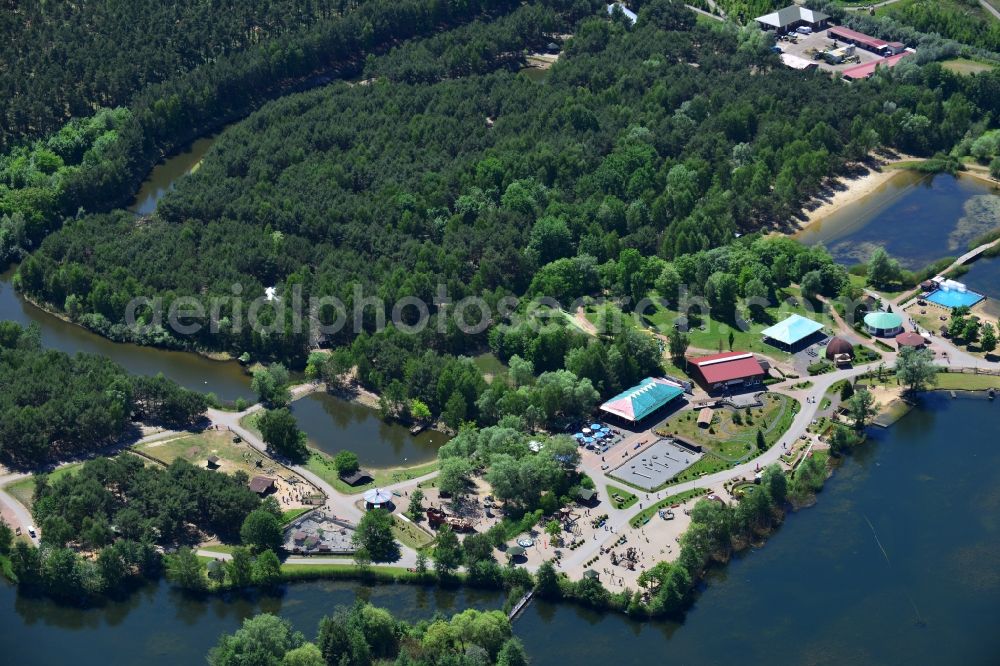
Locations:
{"points": [[289, 515], [410, 535], [321, 465], [628, 498], [490, 366], [958, 381], [650, 511], [708, 333], [966, 66], [24, 490], [731, 441]]}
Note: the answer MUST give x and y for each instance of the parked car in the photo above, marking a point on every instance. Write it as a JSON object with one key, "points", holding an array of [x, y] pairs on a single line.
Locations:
{"points": [[804, 30], [31, 531]]}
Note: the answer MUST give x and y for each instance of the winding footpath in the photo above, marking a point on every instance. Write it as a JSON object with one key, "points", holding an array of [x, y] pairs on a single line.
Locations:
{"points": [[349, 506]]}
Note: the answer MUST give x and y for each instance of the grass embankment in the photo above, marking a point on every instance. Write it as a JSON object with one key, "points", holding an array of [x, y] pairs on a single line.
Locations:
{"points": [[322, 466], [957, 381], [409, 534], [349, 571], [647, 513], [627, 498], [24, 490]]}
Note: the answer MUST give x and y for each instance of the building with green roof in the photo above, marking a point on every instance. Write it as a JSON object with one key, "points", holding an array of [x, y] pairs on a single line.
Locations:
{"points": [[884, 324], [640, 401]]}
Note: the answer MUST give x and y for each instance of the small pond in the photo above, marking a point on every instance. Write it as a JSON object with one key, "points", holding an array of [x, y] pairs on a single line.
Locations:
{"points": [[334, 424]]}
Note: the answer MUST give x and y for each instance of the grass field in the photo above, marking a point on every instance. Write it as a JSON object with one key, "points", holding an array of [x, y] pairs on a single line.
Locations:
{"points": [[707, 333], [956, 381], [490, 366], [728, 439], [409, 534], [628, 497], [24, 490], [649, 512], [196, 448], [966, 66], [289, 515], [321, 465]]}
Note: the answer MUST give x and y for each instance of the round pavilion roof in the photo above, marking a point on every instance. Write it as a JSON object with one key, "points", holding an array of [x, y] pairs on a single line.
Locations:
{"points": [[837, 346], [910, 339], [884, 321], [378, 496]]}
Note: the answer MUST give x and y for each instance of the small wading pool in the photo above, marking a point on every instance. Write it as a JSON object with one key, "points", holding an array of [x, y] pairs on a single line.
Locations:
{"points": [[953, 298]]}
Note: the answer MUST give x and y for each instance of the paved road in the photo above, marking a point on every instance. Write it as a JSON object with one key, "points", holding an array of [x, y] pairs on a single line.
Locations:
{"points": [[618, 519], [13, 511], [990, 8], [17, 514]]}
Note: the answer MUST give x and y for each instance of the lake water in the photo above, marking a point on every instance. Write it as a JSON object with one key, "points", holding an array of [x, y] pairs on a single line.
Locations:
{"points": [[163, 176], [918, 218], [226, 379], [984, 277], [896, 564], [333, 425]]}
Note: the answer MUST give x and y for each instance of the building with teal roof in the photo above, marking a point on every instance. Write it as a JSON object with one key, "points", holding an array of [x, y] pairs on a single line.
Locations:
{"points": [[640, 401], [884, 324], [791, 332]]}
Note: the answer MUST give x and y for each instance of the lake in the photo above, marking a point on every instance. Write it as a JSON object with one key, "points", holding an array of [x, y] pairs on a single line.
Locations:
{"points": [[163, 176], [333, 425], [984, 277], [918, 218], [896, 564], [224, 378]]}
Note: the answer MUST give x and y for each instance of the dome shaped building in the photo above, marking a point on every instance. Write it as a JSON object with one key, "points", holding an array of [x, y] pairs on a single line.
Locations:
{"points": [[838, 346]]}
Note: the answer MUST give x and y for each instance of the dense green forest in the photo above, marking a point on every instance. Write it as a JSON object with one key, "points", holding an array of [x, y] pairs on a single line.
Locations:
{"points": [[364, 635], [65, 59], [120, 509], [40, 185], [644, 144], [55, 405], [962, 20]]}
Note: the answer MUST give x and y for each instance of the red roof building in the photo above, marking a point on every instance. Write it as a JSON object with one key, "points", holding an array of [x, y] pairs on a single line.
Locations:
{"points": [[730, 370], [867, 69], [857, 38]]}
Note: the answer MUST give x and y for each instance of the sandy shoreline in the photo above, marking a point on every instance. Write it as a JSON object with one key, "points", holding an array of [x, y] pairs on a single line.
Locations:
{"points": [[853, 189]]}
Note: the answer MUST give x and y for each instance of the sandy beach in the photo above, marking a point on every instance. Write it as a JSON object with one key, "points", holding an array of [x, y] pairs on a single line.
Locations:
{"points": [[847, 191]]}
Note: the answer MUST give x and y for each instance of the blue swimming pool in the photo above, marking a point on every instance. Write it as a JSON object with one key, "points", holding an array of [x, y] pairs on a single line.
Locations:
{"points": [[952, 298]]}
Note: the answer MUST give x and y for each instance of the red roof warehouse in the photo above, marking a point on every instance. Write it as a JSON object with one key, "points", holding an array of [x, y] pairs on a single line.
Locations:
{"points": [[729, 370]]}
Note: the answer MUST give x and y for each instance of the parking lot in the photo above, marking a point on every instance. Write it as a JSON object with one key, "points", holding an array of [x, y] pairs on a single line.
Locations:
{"points": [[808, 45]]}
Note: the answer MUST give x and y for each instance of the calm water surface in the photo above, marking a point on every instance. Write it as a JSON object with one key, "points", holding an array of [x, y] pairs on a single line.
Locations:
{"points": [[897, 564], [163, 176], [917, 218], [334, 425], [984, 277], [226, 379]]}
